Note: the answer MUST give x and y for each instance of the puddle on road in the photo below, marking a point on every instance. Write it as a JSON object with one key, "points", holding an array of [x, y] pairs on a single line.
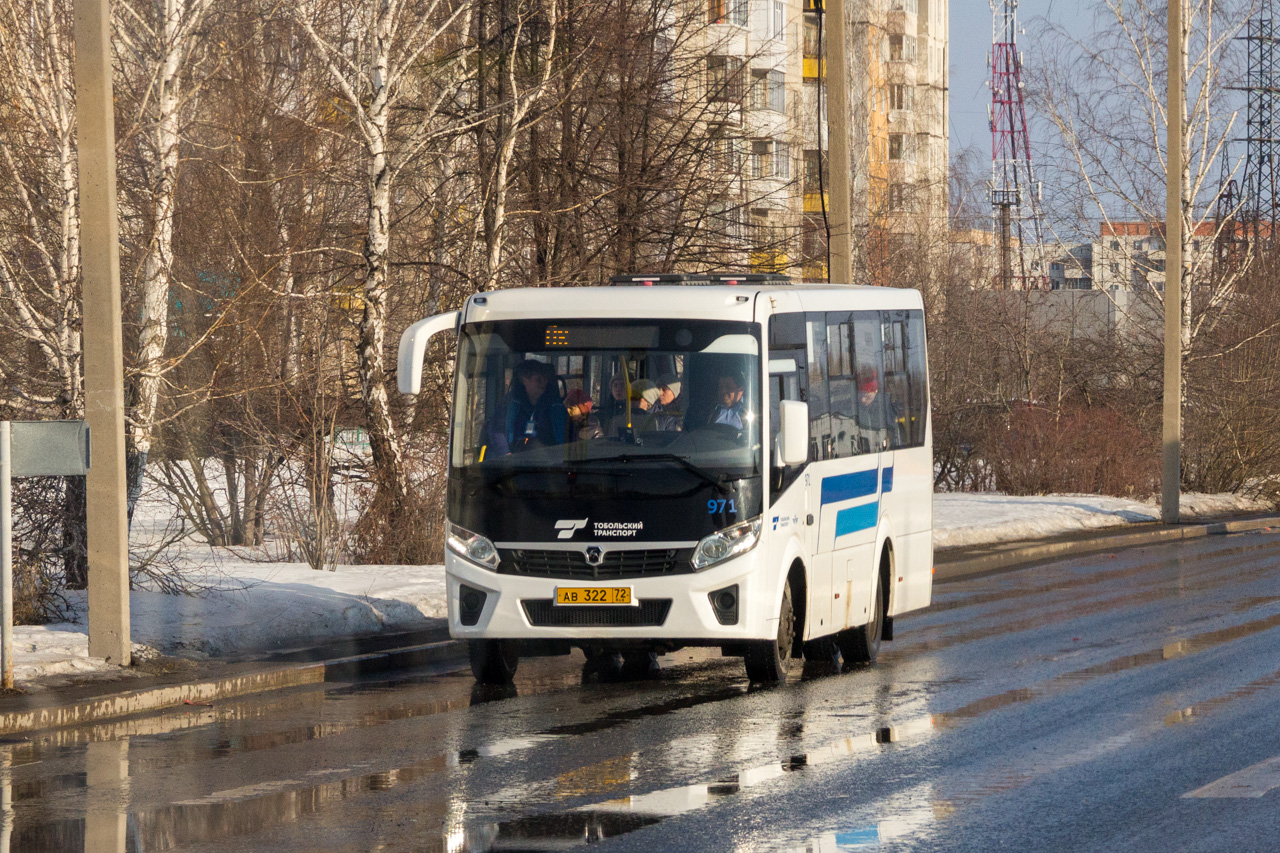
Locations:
{"points": [[255, 808]]}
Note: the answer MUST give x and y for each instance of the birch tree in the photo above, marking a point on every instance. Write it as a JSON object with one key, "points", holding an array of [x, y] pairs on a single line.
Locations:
{"points": [[157, 43], [40, 261], [392, 65], [1103, 95]]}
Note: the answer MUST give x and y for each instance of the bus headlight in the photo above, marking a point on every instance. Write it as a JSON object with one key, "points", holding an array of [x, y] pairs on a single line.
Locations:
{"points": [[472, 546], [726, 543]]}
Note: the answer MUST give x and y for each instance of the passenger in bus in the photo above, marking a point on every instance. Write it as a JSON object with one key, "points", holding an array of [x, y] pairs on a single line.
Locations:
{"points": [[875, 418], [668, 413], [582, 422], [535, 415], [729, 408], [616, 402]]}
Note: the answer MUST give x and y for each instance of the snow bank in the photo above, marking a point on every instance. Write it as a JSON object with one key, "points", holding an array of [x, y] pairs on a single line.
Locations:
{"points": [[978, 518], [254, 607]]}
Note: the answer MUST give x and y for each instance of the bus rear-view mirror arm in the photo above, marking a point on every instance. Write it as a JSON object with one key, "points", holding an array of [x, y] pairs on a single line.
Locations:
{"points": [[413, 349], [793, 432]]}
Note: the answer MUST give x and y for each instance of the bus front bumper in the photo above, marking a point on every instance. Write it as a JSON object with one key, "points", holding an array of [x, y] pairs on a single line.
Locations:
{"points": [[669, 607]]}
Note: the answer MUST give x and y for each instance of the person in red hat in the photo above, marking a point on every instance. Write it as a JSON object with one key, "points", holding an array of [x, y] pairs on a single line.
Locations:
{"points": [[874, 418]]}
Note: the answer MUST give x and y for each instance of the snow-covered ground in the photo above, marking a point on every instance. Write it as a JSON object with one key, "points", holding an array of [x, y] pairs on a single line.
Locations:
{"points": [[265, 606], [977, 518]]}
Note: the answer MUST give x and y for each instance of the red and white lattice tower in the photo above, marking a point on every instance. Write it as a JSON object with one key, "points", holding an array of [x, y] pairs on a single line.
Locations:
{"points": [[1014, 193]]}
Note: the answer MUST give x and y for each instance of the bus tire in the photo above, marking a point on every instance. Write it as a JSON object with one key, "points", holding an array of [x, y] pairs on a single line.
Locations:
{"points": [[860, 646], [494, 661], [769, 661]]}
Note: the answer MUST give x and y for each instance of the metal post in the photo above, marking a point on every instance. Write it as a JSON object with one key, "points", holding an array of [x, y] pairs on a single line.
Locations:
{"points": [[837, 83], [1170, 485], [108, 532], [6, 557]]}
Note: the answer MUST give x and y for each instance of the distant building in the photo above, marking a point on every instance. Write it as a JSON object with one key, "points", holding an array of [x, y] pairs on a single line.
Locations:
{"points": [[1125, 256]]}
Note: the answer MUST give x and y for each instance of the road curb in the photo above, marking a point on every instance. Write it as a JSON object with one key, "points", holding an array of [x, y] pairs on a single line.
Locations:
{"points": [[149, 699], [961, 567]]}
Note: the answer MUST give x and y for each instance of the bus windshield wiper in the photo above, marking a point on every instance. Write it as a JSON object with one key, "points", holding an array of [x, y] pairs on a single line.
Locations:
{"points": [[702, 473]]}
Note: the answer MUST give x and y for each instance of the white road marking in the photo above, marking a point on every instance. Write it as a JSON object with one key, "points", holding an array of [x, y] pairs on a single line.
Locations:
{"points": [[1252, 781]]}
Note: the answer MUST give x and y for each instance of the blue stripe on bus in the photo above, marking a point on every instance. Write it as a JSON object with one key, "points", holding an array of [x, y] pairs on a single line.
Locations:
{"points": [[857, 518], [886, 480], [846, 487]]}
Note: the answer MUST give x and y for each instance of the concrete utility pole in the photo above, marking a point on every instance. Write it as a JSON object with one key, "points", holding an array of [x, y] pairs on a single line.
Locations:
{"points": [[1170, 485], [108, 532], [837, 82]]}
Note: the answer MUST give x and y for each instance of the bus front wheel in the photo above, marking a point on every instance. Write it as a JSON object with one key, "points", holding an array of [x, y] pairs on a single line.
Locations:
{"points": [[769, 661], [494, 661]]}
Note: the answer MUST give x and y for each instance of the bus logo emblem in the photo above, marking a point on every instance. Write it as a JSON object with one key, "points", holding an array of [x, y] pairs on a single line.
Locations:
{"points": [[570, 526], [594, 555]]}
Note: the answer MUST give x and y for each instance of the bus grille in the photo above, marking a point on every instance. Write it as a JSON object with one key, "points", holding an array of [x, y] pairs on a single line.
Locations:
{"points": [[544, 613], [616, 565]]}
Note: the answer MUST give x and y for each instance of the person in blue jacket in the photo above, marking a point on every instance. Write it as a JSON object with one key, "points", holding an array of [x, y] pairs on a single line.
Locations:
{"points": [[535, 416]]}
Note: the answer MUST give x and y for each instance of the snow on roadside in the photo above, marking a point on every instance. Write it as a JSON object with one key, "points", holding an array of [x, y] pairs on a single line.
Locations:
{"points": [[978, 518], [255, 607]]}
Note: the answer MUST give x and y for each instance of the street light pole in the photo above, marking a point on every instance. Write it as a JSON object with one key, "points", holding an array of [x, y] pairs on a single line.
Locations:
{"points": [[108, 529], [1172, 452]]}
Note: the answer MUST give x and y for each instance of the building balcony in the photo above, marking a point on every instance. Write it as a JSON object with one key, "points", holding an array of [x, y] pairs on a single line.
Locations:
{"points": [[813, 202]]}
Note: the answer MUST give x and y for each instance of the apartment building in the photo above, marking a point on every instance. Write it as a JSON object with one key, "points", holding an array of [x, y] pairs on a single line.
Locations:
{"points": [[1125, 256], [766, 74]]}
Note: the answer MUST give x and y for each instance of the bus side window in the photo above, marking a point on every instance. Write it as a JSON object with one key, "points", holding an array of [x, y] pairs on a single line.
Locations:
{"points": [[918, 377], [840, 383], [819, 401], [896, 380], [874, 422]]}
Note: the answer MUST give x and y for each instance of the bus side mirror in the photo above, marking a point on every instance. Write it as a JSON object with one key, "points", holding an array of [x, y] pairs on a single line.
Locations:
{"points": [[793, 432], [413, 349]]}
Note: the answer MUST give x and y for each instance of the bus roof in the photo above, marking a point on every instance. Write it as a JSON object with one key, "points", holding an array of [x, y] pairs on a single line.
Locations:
{"points": [[725, 302]]}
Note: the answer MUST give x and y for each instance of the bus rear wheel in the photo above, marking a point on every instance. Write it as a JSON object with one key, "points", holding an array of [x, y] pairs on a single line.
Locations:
{"points": [[494, 661], [769, 661], [860, 646]]}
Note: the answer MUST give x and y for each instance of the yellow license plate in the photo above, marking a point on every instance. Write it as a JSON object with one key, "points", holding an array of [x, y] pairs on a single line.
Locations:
{"points": [[593, 595]]}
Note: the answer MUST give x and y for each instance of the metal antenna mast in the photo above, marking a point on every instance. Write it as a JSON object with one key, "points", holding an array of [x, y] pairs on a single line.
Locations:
{"points": [[1014, 192], [1259, 197]]}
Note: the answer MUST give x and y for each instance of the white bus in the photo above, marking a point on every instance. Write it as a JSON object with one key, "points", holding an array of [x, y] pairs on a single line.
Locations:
{"points": [[744, 464]]}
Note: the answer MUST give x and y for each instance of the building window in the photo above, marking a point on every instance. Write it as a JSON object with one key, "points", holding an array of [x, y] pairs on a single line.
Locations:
{"points": [[901, 96], [726, 152], [768, 91], [1115, 268], [1115, 244], [724, 79], [899, 146], [761, 159], [782, 161], [811, 46], [778, 30], [902, 48], [898, 197], [728, 11], [814, 161]]}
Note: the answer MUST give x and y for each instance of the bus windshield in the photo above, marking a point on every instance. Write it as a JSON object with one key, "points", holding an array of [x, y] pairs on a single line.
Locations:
{"points": [[604, 398]]}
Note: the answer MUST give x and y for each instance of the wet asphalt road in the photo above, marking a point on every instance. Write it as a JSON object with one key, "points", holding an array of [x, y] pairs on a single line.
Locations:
{"points": [[1073, 706]]}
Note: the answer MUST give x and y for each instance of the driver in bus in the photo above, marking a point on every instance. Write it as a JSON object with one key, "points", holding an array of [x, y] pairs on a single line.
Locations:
{"points": [[535, 417], [729, 410]]}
